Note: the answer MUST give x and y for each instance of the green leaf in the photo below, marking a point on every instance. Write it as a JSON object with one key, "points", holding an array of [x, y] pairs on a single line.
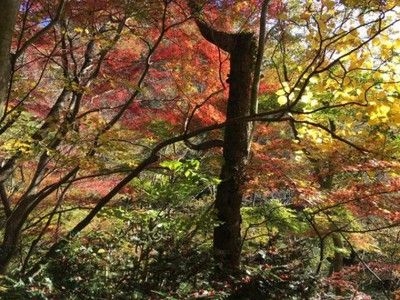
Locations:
{"points": [[172, 165]]}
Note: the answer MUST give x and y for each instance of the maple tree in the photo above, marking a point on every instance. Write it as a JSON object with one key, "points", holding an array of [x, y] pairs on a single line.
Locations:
{"points": [[300, 97]]}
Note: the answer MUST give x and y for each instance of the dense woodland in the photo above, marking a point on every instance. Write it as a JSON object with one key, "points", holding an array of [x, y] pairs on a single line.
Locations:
{"points": [[183, 149]]}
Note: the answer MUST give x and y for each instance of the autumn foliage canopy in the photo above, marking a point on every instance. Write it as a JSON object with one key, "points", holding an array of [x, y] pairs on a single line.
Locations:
{"points": [[119, 131]]}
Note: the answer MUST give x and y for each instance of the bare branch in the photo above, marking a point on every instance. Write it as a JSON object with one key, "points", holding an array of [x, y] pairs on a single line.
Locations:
{"points": [[41, 32]]}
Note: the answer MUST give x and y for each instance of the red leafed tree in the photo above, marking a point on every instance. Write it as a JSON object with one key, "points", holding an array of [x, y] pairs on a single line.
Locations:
{"points": [[82, 74], [75, 76]]}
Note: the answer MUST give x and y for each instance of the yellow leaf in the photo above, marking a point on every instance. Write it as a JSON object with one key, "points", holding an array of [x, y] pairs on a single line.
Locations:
{"points": [[379, 114], [305, 98], [280, 92], [305, 15], [329, 4], [384, 110], [282, 100], [286, 86], [314, 80]]}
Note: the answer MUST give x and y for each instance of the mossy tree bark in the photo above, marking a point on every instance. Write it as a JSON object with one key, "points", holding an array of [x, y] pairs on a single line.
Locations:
{"points": [[227, 238], [242, 49]]}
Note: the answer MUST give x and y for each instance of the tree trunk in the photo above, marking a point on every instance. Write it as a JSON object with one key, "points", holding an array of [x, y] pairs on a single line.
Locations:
{"points": [[325, 171], [8, 15], [242, 49], [9, 243], [227, 238], [337, 262]]}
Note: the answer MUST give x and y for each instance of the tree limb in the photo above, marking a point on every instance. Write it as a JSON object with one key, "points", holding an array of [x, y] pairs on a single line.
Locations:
{"points": [[223, 40]]}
